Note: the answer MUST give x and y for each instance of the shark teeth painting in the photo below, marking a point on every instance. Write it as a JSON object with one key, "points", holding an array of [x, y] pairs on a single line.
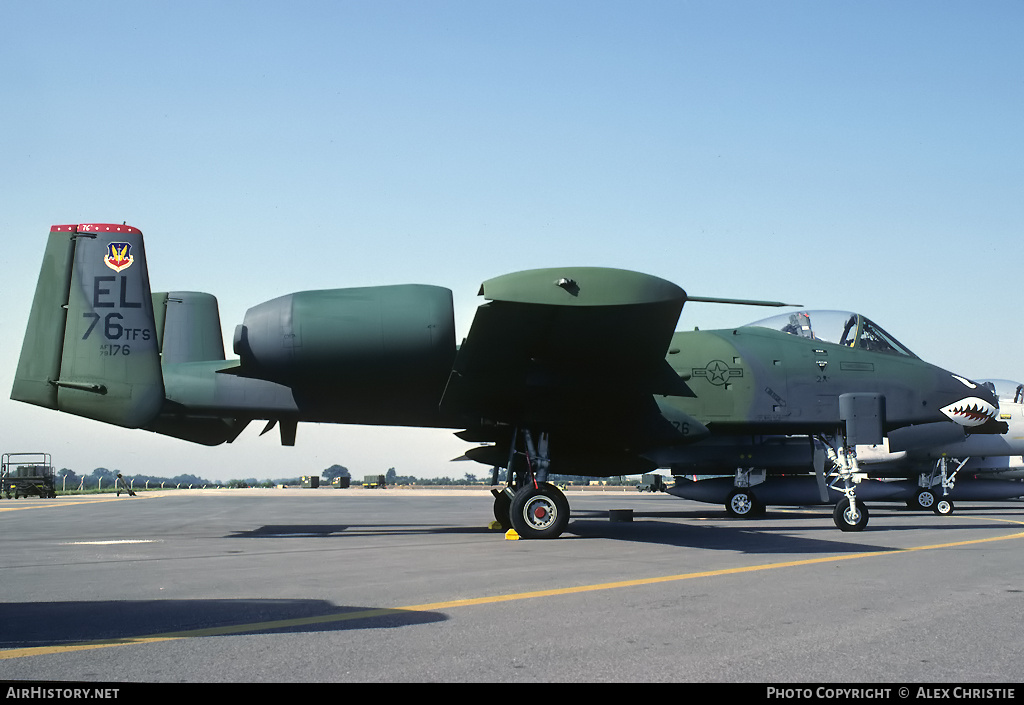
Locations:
{"points": [[971, 411]]}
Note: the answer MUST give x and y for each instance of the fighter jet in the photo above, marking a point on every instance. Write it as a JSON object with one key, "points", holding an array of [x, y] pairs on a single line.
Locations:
{"points": [[926, 466], [572, 370], [968, 467]]}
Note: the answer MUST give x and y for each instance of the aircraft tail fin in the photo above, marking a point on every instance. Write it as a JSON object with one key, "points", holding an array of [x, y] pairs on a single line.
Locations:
{"points": [[188, 326], [91, 345]]}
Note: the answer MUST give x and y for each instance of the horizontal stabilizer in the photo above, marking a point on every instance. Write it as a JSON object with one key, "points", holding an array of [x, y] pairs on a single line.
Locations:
{"points": [[204, 431]]}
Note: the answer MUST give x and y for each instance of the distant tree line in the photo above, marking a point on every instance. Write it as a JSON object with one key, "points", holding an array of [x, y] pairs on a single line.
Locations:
{"points": [[392, 478], [67, 479]]}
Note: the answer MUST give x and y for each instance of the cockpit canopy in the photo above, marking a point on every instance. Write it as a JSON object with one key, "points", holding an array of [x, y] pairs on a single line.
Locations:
{"points": [[839, 327]]}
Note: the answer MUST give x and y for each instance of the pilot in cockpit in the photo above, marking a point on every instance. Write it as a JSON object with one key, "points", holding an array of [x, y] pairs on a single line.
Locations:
{"points": [[799, 324]]}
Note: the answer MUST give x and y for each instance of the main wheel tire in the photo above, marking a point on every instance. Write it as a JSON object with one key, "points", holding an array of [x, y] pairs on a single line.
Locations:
{"points": [[943, 507], [925, 499], [502, 502], [540, 512], [742, 504], [847, 520]]}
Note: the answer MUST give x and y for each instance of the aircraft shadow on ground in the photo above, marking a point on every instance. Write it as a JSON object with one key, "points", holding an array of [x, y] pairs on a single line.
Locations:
{"points": [[708, 528], [766, 534], [744, 537], [300, 531], [35, 624]]}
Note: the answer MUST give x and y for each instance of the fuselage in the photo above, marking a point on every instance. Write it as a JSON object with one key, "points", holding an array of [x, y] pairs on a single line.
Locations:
{"points": [[747, 380], [756, 380]]}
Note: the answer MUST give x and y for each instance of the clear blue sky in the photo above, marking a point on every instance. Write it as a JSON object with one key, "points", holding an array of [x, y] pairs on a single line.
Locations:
{"points": [[848, 155]]}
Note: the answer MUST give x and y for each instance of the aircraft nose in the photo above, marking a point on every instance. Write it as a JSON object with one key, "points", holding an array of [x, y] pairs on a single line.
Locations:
{"points": [[977, 407], [970, 411]]}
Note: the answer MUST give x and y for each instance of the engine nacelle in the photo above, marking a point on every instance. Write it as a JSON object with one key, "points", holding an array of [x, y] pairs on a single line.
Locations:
{"points": [[359, 336]]}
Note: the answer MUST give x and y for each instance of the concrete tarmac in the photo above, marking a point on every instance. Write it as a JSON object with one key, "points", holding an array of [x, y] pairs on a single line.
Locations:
{"points": [[410, 585]]}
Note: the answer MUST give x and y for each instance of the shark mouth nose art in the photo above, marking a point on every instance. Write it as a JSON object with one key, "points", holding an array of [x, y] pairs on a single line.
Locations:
{"points": [[971, 411]]}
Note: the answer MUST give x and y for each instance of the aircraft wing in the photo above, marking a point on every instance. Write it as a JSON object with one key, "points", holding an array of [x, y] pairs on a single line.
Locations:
{"points": [[568, 347]]}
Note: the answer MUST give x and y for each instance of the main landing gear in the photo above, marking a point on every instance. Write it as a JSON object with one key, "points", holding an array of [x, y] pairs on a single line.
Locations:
{"points": [[928, 498], [940, 477], [742, 502], [535, 508]]}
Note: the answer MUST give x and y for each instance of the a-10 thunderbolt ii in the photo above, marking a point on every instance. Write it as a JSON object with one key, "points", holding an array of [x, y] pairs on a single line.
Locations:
{"points": [[928, 466], [574, 370], [934, 465], [917, 464]]}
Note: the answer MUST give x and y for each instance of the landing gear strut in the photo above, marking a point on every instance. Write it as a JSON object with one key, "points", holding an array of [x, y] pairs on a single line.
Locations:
{"points": [[929, 498], [849, 514], [535, 508]]}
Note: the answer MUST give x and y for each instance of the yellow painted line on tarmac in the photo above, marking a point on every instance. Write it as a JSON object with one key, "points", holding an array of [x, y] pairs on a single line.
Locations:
{"points": [[70, 501], [476, 601], [52, 505]]}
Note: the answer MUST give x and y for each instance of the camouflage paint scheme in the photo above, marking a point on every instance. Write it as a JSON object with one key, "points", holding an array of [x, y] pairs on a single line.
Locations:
{"points": [[574, 370]]}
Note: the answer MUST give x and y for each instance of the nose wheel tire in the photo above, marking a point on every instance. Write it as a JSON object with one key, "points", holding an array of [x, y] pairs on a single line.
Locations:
{"points": [[540, 512], [850, 520], [943, 506]]}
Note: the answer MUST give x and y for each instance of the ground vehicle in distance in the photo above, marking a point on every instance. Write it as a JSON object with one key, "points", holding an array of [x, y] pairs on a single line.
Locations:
{"points": [[27, 475]]}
